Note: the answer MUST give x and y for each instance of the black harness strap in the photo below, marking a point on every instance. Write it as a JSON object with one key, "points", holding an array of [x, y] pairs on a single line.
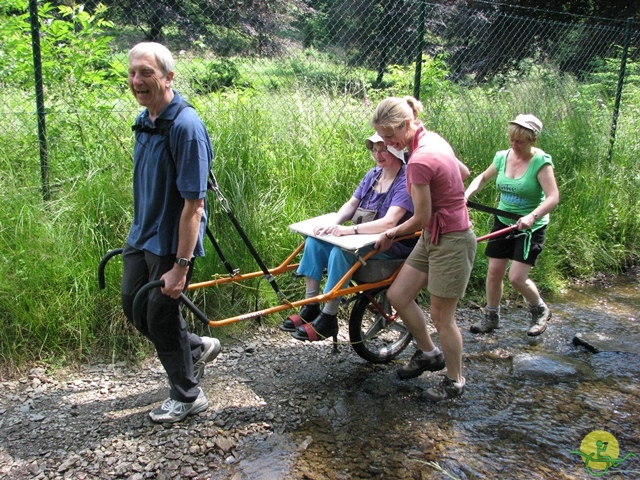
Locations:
{"points": [[164, 129], [494, 211]]}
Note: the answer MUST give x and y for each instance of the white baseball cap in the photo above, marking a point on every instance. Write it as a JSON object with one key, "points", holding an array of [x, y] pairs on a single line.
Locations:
{"points": [[375, 138], [530, 122]]}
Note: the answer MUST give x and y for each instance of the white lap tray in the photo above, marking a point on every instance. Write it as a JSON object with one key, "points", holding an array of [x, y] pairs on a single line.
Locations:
{"points": [[372, 270], [351, 243]]}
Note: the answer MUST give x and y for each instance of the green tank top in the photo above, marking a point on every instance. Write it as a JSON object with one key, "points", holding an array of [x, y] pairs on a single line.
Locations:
{"points": [[521, 195]]}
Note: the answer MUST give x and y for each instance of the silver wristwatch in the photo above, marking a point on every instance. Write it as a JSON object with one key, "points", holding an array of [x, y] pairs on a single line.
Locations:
{"points": [[183, 262]]}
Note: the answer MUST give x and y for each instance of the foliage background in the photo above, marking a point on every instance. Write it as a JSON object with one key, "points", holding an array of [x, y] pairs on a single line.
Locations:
{"points": [[287, 89]]}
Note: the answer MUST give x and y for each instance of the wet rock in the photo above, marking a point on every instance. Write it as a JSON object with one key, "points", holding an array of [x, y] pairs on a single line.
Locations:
{"points": [[549, 368], [602, 342]]}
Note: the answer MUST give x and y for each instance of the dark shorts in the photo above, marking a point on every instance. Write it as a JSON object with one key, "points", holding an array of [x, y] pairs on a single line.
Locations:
{"points": [[511, 245]]}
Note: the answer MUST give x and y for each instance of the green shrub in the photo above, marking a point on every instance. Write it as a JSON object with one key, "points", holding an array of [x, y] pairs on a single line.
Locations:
{"points": [[218, 75]]}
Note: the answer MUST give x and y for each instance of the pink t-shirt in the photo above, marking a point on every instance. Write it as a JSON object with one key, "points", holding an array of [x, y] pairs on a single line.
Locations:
{"points": [[432, 162]]}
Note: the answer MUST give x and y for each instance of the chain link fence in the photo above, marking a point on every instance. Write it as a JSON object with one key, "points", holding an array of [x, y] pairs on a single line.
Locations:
{"points": [[323, 66], [287, 89]]}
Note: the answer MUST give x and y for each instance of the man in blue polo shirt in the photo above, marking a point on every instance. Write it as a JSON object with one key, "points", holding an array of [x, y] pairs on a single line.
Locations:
{"points": [[169, 221]]}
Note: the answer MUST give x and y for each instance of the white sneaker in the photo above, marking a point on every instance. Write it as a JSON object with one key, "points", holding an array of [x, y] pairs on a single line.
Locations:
{"points": [[173, 411], [210, 350]]}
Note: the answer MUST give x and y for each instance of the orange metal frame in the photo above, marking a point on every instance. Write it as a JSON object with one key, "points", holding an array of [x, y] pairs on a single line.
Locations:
{"points": [[339, 290], [343, 288]]}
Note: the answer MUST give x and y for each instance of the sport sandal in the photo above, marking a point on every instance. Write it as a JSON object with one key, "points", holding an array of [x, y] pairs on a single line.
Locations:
{"points": [[323, 327], [307, 314]]}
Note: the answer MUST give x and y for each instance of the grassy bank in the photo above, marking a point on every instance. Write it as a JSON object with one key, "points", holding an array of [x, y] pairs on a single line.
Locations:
{"points": [[278, 160]]}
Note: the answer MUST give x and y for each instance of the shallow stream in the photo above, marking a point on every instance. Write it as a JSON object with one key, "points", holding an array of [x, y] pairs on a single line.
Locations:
{"points": [[531, 406]]}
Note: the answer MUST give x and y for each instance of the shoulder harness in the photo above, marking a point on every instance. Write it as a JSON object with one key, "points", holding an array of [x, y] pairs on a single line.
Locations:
{"points": [[163, 129]]}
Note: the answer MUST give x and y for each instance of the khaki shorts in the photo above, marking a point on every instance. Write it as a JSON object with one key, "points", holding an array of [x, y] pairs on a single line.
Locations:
{"points": [[448, 264]]}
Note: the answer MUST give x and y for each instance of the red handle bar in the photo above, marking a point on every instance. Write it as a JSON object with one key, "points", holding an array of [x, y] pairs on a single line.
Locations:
{"points": [[497, 233]]}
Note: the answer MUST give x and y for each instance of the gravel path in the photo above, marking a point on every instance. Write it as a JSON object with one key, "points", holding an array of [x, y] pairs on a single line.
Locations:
{"points": [[93, 423]]}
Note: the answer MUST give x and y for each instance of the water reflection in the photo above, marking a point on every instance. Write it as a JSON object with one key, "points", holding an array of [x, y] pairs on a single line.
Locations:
{"points": [[529, 404]]}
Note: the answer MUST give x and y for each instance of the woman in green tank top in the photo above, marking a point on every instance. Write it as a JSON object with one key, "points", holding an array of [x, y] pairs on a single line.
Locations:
{"points": [[525, 179]]}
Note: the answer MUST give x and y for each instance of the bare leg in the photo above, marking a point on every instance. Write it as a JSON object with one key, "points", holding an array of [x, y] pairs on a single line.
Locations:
{"points": [[402, 294], [443, 315], [519, 278], [495, 276]]}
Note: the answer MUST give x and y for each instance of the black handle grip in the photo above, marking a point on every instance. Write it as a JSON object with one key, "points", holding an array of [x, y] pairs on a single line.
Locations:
{"points": [[199, 314], [103, 262], [144, 291]]}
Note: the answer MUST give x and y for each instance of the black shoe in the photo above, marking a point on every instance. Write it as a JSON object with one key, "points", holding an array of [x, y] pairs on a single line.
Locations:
{"points": [[420, 363], [307, 314], [322, 327]]}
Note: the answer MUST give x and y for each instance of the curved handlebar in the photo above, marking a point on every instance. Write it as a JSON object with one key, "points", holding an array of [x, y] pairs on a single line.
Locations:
{"points": [[199, 314], [144, 291], [497, 233], [103, 262]]}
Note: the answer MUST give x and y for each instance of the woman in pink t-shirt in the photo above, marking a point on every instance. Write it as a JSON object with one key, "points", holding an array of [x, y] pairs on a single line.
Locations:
{"points": [[442, 259]]}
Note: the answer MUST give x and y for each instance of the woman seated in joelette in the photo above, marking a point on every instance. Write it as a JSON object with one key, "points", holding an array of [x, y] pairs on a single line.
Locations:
{"points": [[380, 202]]}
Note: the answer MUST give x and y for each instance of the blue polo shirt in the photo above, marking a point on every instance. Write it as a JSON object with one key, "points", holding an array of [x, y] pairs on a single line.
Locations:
{"points": [[161, 183]]}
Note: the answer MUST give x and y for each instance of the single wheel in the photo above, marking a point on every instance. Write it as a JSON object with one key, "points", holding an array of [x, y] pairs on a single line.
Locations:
{"points": [[376, 332]]}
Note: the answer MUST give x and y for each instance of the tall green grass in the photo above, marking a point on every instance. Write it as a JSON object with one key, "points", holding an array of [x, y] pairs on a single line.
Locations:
{"points": [[278, 160]]}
